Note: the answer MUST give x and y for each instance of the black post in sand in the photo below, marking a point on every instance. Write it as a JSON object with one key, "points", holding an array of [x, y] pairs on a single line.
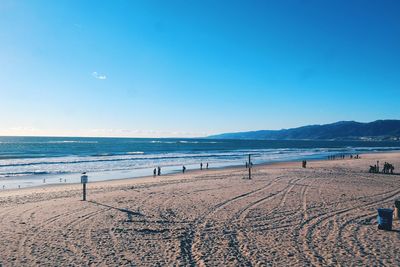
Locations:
{"points": [[249, 167], [84, 192], [84, 180]]}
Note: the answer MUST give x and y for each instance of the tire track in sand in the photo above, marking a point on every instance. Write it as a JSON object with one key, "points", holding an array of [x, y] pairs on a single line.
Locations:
{"points": [[309, 249], [239, 243], [22, 252], [191, 240]]}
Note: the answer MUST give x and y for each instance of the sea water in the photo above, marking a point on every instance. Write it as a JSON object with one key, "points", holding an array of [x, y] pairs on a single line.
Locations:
{"points": [[33, 161]]}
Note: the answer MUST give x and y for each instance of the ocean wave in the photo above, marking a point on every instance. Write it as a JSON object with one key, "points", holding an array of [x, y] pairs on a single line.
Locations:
{"points": [[50, 142], [183, 142], [161, 142], [113, 158], [26, 173], [198, 142], [139, 159], [70, 142]]}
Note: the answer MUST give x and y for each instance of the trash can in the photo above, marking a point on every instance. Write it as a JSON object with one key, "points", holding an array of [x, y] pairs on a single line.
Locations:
{"points": [[385, 219]]}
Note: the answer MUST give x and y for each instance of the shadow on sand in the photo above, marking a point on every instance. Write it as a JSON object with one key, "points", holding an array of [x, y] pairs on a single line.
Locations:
{"points": [[128, 212]]}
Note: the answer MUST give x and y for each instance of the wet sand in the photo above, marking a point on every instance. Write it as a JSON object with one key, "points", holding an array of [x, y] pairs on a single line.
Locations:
{"points": [[324, 215]]}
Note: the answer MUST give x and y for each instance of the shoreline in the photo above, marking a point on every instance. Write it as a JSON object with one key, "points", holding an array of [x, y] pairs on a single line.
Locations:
{"points": [[44, 175], [175, 176]]}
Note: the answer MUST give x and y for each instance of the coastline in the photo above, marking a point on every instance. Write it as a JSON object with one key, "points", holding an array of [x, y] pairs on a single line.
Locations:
{"points": [[61, 161], [178, 176]]}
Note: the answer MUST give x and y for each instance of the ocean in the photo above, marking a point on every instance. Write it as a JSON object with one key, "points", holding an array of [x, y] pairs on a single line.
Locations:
{"points": [[33, 161]]}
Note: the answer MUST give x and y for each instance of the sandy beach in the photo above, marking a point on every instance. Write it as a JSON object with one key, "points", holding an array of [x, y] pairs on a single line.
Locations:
{"points": [[324, 215]]}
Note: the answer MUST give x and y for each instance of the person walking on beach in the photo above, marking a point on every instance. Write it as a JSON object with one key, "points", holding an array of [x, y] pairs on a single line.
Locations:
{"points": [[207, 166], [183, 169], [304, 163], [201, 165], [154, 172], [159, 170]]}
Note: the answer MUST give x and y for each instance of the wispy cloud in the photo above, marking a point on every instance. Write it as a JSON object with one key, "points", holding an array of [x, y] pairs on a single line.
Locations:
{"points": [[99, 76]]}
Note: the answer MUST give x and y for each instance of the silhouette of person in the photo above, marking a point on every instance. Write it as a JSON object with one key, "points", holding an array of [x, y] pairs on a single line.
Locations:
{"points": [[154, 172], [159, 170], [183, 169], [207, 166], [201, 165]]}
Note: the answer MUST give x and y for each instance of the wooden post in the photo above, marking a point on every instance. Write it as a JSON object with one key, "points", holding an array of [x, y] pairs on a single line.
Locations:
{"points": [[84, 191], [84, 180], [249, 167]]}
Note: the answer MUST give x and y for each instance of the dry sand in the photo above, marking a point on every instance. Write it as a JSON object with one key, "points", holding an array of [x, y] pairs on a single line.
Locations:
{"points": [[285, 216]]}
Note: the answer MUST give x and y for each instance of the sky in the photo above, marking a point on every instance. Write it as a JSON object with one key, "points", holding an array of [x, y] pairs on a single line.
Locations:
{"points": [[193, 68]]}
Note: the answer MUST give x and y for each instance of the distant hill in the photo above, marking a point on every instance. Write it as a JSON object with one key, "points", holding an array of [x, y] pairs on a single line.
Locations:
{"points": [[343, 130]]}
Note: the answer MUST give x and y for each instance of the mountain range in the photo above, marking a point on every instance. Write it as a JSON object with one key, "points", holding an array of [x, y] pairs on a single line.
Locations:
{"points": [[342, 130]]}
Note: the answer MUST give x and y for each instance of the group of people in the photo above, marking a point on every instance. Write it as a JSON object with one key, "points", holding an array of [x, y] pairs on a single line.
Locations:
{"points": [[157, 171], [342, 156], [388, 168], [201, 165]]}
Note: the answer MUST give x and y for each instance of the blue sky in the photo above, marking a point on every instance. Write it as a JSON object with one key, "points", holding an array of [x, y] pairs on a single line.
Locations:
{"points": [[192, 68]]}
